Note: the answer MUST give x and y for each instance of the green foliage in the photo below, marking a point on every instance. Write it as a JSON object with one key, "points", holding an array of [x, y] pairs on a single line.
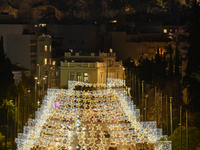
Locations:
{"points": [[2, 143], [194, 138], [162, 139], [7, 107], [193, 58], [146, 70]]}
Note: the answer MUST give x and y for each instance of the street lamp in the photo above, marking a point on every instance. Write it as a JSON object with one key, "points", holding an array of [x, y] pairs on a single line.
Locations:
{"points": [[28, 103], [36, 78], [123, 76], [38, 103], [43, 85]]}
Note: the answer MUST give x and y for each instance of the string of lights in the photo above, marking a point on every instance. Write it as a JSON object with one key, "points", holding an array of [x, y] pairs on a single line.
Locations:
{"points": [[94, 119]]}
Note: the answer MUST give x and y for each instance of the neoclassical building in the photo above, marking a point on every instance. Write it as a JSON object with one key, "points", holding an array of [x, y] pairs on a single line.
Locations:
{"points": [[92, 67]]}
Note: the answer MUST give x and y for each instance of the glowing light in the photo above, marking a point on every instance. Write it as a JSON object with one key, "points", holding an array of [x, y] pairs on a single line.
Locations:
{"points": [[59, 122]]}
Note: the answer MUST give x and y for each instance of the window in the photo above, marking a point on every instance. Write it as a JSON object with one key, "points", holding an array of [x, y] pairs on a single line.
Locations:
{"points": [[45, 48], [170, 30], [45, 61], [33, 62], [72, 76], [33, 51], [164, 30], [33, 43], [54, 63], [79, 77], [109, 75], [85, 77], [57, 73], [101, 78], [50, 61]]}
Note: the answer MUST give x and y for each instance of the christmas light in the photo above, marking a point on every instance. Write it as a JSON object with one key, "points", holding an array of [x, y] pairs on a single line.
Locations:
{"points": [[87, 119]]}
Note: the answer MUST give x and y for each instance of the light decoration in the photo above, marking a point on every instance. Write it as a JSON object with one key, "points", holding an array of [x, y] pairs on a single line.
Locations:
{"points": [[90, 119]]}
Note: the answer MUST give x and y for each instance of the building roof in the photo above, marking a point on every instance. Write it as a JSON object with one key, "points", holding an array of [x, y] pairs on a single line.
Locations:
{"points": [[15, 68]]}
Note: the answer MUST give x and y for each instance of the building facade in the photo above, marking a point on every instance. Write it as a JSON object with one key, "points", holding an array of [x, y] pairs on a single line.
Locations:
{"points": [[93, 68]]}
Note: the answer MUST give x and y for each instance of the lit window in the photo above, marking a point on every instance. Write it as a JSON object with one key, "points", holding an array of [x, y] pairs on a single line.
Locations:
{"points": [[170, 30], [45, 48], [45, 61], [33, 42], [50, 61], [50, 48], [111, 50], [85, 77], [54, 63], [164, 30], [42, 25], [79, 78], [113, 21]]}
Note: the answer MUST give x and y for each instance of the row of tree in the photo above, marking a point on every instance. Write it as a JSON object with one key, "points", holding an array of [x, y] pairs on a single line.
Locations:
{"points": [[163, 73], [16, 102]]}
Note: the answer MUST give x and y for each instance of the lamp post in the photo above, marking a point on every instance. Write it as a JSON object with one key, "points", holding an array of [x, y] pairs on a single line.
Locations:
{"points": [[7, 113], [146, 99], [156, 107], [43, 85], [123, 76], [171, 119], [180, 128], [161, 110], [36, 78], [167, 115], [143, 100], [6, 137], [28, 103]]}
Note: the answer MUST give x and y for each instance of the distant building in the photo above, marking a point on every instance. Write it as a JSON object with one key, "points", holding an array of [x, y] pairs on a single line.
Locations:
{"points": [[17, 72], [19, 44], [44, 60], [92, 68]]}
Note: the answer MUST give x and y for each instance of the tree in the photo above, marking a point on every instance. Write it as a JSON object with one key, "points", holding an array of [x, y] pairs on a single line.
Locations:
{"points": [[194, 138], [6, 76], [2, 143], [146, 70], [193, 56]]}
